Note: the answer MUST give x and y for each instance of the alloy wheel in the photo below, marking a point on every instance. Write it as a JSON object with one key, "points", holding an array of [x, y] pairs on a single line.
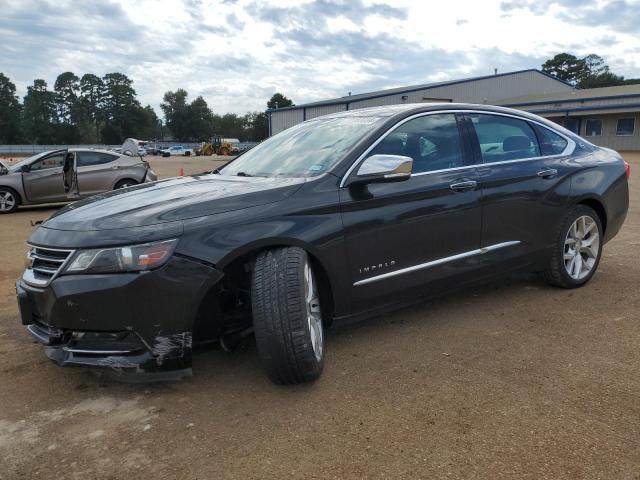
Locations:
{"points": [[581, 247], [7, 201], [314, 316]]}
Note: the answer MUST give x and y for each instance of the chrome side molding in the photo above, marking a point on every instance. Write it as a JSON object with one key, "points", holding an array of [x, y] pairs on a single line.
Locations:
{"points": [[440, 261]]}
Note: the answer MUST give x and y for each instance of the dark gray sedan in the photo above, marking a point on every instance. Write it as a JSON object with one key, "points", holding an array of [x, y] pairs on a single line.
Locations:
{"points": [[38, 179]]}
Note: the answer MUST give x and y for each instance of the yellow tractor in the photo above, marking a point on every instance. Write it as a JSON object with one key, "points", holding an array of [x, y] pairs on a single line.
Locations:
{"points": [[220, 147], [217, 146]]}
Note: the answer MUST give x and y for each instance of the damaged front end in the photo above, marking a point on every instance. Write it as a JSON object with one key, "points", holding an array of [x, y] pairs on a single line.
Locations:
{"points": [[138, 325]]}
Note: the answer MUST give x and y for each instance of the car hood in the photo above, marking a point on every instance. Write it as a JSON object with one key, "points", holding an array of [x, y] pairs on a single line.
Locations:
{"points": [[171, 200]]}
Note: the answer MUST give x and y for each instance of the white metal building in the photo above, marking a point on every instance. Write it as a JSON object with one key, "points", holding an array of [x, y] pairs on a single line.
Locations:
{"points": [[491, 89], [605, 116]]}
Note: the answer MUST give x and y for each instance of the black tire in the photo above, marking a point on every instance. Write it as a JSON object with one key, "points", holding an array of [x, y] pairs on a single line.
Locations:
{"points": [[281, 318], [9, 200], [557, 273], [127, 182], [187, 154]]}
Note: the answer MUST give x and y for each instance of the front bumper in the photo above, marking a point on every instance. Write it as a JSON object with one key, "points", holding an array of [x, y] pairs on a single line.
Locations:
{"points": [[137, 324]]}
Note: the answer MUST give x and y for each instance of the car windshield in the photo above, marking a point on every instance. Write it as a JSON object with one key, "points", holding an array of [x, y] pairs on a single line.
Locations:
{"points": [[27, 161], [305, 150]]}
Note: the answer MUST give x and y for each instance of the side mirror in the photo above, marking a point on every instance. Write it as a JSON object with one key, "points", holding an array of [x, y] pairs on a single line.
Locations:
{"points": [[383, 168], [25, 168]]}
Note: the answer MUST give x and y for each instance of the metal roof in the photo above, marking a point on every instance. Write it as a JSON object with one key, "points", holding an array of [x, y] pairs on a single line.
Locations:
{"points": [[394, 91], [587, 94]]}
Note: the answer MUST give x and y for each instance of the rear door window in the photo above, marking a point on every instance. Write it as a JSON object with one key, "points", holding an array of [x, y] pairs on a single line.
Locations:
{"points": [[550, 142], [86, 159], [503, 138]]}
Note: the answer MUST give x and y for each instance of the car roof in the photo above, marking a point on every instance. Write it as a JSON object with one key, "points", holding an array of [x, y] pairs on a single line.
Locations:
{"points": [[99, 150], [405, 110]]}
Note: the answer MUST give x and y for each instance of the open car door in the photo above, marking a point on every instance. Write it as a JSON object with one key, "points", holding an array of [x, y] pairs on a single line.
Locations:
{"points": [[70, 176]]}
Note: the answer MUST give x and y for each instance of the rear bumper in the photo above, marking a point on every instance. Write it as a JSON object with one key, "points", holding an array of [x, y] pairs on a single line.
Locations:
{"points": [[138, 325], [151, 176]]}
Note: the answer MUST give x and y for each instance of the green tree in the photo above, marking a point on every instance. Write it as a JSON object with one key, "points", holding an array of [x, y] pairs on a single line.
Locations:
{"points": [[176, 113], [10, 130], [278, 100], [605, 79], [148, 124], [256, 126], [39, 113], [120, 106], [92, 93], [68, 107], [200, 119], [566, 67], [67, 88], [588, 72]]}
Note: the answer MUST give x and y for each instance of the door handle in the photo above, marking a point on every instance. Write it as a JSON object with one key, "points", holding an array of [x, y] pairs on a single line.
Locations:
{"points": [[463, 186], [549, 173]]}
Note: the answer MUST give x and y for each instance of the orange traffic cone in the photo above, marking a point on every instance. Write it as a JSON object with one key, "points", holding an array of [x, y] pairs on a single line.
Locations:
{"points": [[182, 172]]}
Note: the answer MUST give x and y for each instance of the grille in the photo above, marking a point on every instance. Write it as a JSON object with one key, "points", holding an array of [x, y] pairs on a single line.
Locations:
{"points": [[43, 264]]}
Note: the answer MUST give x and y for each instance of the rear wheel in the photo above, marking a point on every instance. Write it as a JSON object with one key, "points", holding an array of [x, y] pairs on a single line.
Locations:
{"points": [[287, 318], [127, 182], [577, 251], [9, 200]]}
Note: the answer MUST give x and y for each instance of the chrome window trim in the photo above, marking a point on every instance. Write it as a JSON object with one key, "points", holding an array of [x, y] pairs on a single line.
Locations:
{"points": [[440, 261], [571, 144]]}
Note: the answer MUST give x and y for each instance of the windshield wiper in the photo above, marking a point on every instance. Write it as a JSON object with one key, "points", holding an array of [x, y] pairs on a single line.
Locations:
{"points": [[243, 174]]}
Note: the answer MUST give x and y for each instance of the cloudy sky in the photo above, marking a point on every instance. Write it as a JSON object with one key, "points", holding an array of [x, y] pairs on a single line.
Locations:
{"points": [[236, 53]]}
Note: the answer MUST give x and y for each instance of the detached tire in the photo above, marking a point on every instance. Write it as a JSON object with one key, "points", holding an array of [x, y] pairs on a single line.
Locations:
{"points": [[286, 316], [578, 249]]}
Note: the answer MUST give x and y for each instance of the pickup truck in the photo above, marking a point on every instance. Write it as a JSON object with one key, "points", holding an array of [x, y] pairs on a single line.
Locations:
{"points": [[176, 150]]}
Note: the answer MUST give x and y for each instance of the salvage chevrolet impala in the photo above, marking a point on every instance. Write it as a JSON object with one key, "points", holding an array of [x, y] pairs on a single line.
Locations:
{"points": [[343, 216]]}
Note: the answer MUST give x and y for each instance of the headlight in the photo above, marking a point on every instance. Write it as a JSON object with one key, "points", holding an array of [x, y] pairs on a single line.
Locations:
{"points": [[135, 258]]}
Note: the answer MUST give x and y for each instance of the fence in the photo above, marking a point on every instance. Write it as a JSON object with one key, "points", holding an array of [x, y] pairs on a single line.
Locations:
{"points": [[22, 150]]}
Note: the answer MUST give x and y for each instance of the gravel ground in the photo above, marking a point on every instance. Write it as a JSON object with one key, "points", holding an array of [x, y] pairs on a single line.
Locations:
{"points": [[508, 380]]}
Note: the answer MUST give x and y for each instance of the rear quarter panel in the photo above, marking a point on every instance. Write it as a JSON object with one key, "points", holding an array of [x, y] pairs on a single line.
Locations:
{"points": [[600, 176], [129, 168]]}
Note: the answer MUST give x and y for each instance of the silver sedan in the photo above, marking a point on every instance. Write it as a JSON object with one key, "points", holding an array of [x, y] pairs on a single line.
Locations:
{"points": [[39, 179]]}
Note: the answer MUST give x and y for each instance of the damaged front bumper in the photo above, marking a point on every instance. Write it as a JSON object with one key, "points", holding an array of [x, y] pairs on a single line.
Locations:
{"points": [[139, 325]]}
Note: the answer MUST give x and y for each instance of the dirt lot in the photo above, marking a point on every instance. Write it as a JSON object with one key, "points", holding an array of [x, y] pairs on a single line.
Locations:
{"points": [[508, 380]]}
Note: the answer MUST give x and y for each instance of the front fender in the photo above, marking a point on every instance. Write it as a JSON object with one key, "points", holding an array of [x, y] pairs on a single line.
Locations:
{"points": [[307, 220]]}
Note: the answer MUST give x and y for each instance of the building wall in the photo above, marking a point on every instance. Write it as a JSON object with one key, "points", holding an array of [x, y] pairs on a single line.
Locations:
{"points": [[488, 90], [609, 138], [281, 120], [491, 90], [313, 112]]}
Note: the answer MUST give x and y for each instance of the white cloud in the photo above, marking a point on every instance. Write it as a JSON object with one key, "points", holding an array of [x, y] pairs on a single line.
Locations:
{"points": [[237, 53]]}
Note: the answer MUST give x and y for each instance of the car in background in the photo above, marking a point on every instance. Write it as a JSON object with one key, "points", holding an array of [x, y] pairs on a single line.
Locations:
{"points": [[38, 179], [142, 151], [153, 149], [177, 150]]}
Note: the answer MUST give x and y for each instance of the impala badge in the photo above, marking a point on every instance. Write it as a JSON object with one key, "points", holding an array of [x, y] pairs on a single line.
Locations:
{"points": [[377, 267]]}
